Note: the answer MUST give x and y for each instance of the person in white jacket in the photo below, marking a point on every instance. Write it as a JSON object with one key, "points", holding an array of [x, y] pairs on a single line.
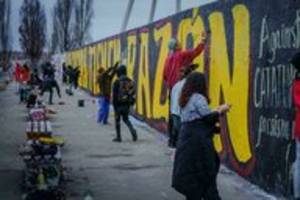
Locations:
{"points": [[175, 109]]}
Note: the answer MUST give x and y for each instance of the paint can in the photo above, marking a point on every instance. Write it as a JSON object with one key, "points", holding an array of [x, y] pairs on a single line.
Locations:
{"points": [[81, 103]]}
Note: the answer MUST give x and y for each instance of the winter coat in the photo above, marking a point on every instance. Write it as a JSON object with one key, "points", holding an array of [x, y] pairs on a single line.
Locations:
{"points": [[116, 94], [18, 72], [105, 82], [177, 60], [196, 162], [24, 75]]}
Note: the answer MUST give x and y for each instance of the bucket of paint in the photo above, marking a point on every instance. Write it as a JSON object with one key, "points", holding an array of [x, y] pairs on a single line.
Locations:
{"points": [[80, 103]]}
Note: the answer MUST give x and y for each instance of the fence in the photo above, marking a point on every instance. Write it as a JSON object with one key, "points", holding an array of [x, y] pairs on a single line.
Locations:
{"points": [[247, 65]]}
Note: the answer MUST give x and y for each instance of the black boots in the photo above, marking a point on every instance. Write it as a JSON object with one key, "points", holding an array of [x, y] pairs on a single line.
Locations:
{"points": [[134, 135], [117, 139]]}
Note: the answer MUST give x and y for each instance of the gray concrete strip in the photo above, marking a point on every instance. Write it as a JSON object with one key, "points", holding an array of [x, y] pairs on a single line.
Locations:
{"points": [[110, 171]]}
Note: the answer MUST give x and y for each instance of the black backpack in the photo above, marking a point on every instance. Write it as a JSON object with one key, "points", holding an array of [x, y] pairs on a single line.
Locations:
{"points": [[126, 91]]}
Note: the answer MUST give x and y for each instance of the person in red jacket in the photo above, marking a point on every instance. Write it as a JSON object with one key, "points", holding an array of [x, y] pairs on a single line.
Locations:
{"points": [[296, 98], [24, 74], [17, 72], [23, 79], [176, 60]]}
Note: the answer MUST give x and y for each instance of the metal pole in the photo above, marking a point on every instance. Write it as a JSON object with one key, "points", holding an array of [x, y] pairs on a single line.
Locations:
{"points": [[152, 11], [127, 15], [178, 6]]}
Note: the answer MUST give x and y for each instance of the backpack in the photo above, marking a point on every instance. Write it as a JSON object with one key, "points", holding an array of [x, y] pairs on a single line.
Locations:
{"points": [[126, 91]]}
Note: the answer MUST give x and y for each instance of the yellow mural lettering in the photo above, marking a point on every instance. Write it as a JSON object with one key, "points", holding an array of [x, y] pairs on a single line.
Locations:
{"points": [[234, 88], [102, 55], [131, 54], [161, 36], [96, 67], [113, 52], [193, 26], [79, 57], [143, 87], [85, 61]]}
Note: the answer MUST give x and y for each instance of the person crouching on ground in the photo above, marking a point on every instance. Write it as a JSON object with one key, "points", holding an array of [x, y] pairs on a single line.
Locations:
{"points": [[175, 108], [296, 98], [196, 161], [123, 99], [104, 80]]}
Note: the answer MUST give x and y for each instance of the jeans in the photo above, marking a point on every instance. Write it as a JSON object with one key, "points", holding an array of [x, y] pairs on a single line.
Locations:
{"points": [[297, 171], [103, 110]]}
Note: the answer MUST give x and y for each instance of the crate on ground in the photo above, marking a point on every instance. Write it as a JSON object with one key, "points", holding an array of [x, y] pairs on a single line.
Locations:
{"points": [[37, 129], [53, 140], [37, 114]]}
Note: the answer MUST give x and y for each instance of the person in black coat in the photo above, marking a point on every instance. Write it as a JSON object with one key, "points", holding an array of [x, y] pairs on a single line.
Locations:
{"points": [[64, 73], [123, 99], [76, 76], [49, 81], [196, 162]]}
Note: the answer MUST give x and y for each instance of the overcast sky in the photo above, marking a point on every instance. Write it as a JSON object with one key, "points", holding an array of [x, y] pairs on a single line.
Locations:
{"points": [[108, 15]]}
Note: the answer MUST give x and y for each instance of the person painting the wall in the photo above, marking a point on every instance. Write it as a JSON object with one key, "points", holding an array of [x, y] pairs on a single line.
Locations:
{"points": [[296, 97], [196, 162], [179, 58], [49, 82], [175, 108], [176, 60], [123, 99], [76, 76], [104, 80]]}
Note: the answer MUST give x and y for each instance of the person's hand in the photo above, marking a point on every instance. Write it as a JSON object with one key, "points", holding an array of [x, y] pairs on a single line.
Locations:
{"points": [[194, 66], [204, 37], [117, 64], [224, 108]]}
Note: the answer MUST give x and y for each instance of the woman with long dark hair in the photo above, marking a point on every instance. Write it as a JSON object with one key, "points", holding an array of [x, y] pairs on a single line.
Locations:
{"points": [[196, 162]]}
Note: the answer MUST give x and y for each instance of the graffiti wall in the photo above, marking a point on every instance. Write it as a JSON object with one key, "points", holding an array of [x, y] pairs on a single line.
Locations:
{"points": [[247, 65]]}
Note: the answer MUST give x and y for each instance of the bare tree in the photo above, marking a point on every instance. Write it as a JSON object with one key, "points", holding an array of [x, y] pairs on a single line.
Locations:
{"points": [[32, 29], [62, 20], [54, 40], [83, 20], [5, 39]]}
